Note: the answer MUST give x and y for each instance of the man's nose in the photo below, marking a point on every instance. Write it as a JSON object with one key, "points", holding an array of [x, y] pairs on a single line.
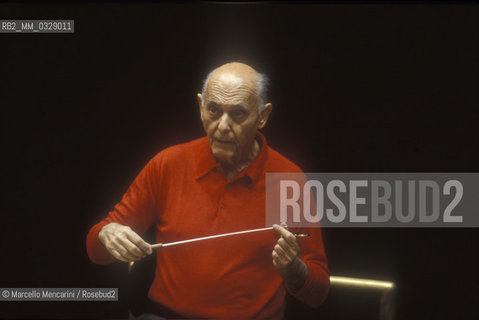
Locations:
{"points": [[225, 125]]}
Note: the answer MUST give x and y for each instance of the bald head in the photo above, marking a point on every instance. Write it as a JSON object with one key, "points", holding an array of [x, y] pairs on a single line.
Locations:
{"points": [[237, 76], [235, 69]]}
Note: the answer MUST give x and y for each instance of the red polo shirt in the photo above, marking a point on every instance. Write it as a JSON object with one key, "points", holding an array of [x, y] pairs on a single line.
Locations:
{"points": [[184, 193]]}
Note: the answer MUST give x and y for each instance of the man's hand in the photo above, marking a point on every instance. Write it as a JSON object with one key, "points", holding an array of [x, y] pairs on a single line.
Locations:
{"points": [[123, 243], [285, 258]]}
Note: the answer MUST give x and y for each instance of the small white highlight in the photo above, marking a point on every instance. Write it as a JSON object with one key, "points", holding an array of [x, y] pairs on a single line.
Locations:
{"points": [[231, 79]]}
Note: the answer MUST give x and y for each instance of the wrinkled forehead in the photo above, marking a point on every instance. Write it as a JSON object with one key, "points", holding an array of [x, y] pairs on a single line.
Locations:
{"points": [[229, 88]]}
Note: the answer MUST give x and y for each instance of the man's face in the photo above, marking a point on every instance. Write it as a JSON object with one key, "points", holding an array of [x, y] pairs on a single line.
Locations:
{"points": [[229, 113]]}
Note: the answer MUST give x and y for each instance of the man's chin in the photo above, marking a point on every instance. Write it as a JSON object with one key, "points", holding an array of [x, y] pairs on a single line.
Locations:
{"points": [[223, 157]]}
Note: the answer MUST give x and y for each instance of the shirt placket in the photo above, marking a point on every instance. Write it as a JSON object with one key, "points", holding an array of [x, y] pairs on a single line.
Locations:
{"points": [[222, 198]]}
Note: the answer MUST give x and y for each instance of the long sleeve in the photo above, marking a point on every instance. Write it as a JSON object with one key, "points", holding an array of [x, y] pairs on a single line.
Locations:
{"points": [[136, 209], [316, 287]]}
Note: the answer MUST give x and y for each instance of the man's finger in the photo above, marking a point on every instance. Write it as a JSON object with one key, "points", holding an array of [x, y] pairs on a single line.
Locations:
{"points": [[280, 252], [117, 255], [278, 260], [275, 264], [284, 257], [139, 242], [131, 248], [291, 250], [118, 246], [288, 236]]}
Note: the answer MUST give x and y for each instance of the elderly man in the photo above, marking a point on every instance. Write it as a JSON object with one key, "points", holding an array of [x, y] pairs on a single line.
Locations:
{"points": [[209, 186]]}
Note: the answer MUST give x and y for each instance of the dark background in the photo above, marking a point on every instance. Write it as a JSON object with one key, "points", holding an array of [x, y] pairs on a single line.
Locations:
{"points": [[355, 88]]}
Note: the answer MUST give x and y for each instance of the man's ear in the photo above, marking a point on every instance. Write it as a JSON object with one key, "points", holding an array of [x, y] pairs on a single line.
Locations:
{"points": [[264, 115], [200, 102]]}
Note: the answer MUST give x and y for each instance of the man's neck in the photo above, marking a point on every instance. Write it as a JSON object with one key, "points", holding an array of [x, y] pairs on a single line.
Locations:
{"points": [[233, 170]]}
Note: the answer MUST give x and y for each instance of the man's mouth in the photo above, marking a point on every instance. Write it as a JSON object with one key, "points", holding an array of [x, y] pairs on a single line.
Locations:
{"points": [[224, 141]]}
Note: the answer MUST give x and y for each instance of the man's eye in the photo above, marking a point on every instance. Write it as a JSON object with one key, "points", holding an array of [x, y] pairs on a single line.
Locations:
{"points": [[237, 114], [213, 110]]}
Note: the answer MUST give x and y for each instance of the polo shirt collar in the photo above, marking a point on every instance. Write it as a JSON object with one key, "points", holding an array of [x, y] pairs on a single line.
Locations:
{"points": [[206, 162], [256, 168]]}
